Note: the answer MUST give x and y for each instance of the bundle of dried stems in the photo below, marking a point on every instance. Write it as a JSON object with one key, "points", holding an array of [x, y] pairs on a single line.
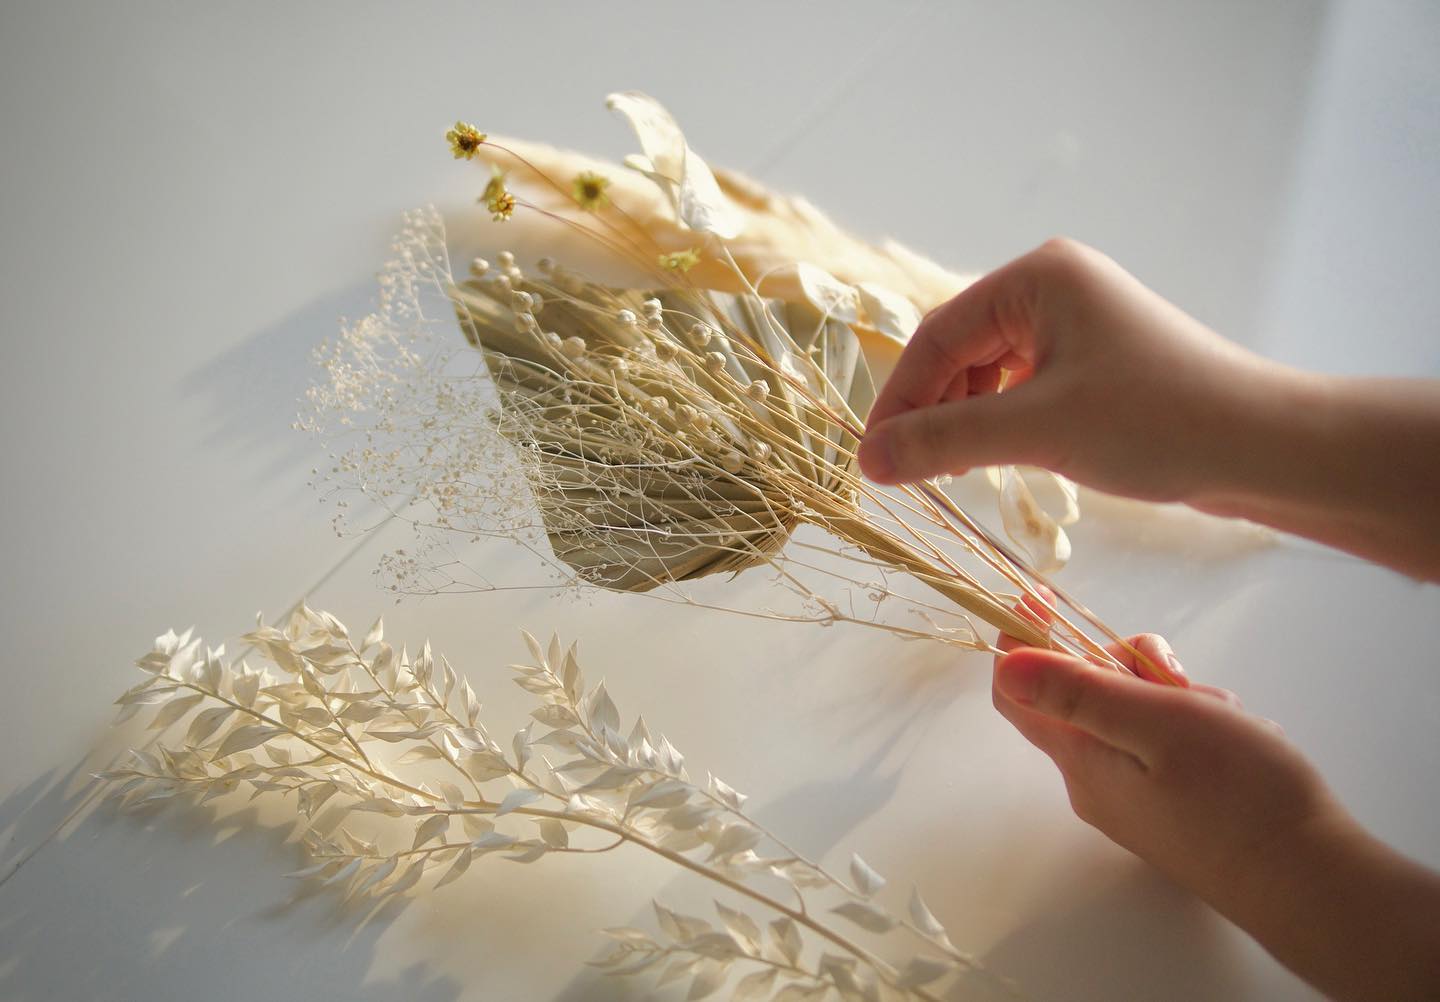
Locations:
{"points": [[639, 438], [395, 779]]}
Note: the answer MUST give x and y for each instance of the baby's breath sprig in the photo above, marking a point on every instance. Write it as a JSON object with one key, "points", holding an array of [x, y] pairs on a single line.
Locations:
{"points": [[399, 785]]}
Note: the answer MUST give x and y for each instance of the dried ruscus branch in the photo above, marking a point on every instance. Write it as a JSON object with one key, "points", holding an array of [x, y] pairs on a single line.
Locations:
{"points": [[396, 781]]}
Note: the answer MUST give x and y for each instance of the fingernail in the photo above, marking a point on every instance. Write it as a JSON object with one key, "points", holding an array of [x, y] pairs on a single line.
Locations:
{"points": [[876, 459], [1174, 664], [1019, 681]]}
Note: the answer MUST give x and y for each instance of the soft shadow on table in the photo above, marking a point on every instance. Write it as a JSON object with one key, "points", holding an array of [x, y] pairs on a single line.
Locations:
{"points": [[133, 906], [253, 390], [1121, 932]]}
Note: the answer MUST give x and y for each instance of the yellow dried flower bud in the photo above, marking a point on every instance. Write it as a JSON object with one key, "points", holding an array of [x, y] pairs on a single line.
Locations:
{"points": [[589, 190], [758, 390], [666, 351], [681, 261], [714, 362], [465, 140], [498, 199], [573, 347]]}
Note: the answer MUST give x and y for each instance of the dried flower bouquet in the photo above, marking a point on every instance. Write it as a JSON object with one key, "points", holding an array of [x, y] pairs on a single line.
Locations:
{"points": [[395, 779], [639, 437]]}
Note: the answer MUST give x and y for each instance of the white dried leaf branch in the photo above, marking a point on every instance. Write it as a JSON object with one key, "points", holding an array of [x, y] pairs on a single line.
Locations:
{"points": [[398, 784]]}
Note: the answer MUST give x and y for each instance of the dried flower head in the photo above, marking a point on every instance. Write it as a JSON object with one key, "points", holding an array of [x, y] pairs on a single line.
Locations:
{"points": [[497, 198], [465, 140], [681, 260], [396, 781], [588, 189]]}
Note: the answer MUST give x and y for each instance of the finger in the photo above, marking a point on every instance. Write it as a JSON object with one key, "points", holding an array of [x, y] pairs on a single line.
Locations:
{"points": [[1119, 709], [1009, 427], [1036, 609], [1224, 695], [1149, 654], [1073, 751], [983, 324], [974, 382]]}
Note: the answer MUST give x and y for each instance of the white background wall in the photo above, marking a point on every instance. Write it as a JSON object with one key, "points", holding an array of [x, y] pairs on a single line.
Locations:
{"points": [[193, 194]]}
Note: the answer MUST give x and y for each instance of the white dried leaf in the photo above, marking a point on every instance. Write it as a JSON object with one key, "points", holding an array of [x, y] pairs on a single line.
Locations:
{"points": [[530, 851], [491, 841], [754, 986], [174, 710], [521, 746], [245, 737], [920, 971], [206, 723], [786, 938], [375, 634], [601, 709], [408, 879], [554, 833], [664, 793], [923, 918], [736, 838], [709, 977], [742, 928], [516, 799], [457, 868], [727, 794], [866, 916], [246, 686], [867, 881], [430, 829], [536, 651]]}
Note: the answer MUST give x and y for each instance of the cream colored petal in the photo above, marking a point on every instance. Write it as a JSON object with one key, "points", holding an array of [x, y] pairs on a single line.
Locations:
{"points": [[1029, 525], [699, 202], [889, 312], [827, 293]]}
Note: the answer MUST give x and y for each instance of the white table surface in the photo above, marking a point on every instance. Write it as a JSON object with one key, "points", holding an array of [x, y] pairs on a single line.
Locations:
{"points": [[194, 193]]}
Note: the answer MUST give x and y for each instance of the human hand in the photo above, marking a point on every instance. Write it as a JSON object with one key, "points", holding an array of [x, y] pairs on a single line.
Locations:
{"points": [[1108, 384], [1182, 777]]}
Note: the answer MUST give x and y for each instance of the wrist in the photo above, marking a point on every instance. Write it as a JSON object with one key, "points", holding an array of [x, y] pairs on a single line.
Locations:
{"points": [[1269, 458], [1369, 914]]}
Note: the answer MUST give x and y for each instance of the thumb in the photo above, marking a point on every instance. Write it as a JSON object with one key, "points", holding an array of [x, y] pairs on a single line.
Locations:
{"points": [[1125, 712], [952, 437]]}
